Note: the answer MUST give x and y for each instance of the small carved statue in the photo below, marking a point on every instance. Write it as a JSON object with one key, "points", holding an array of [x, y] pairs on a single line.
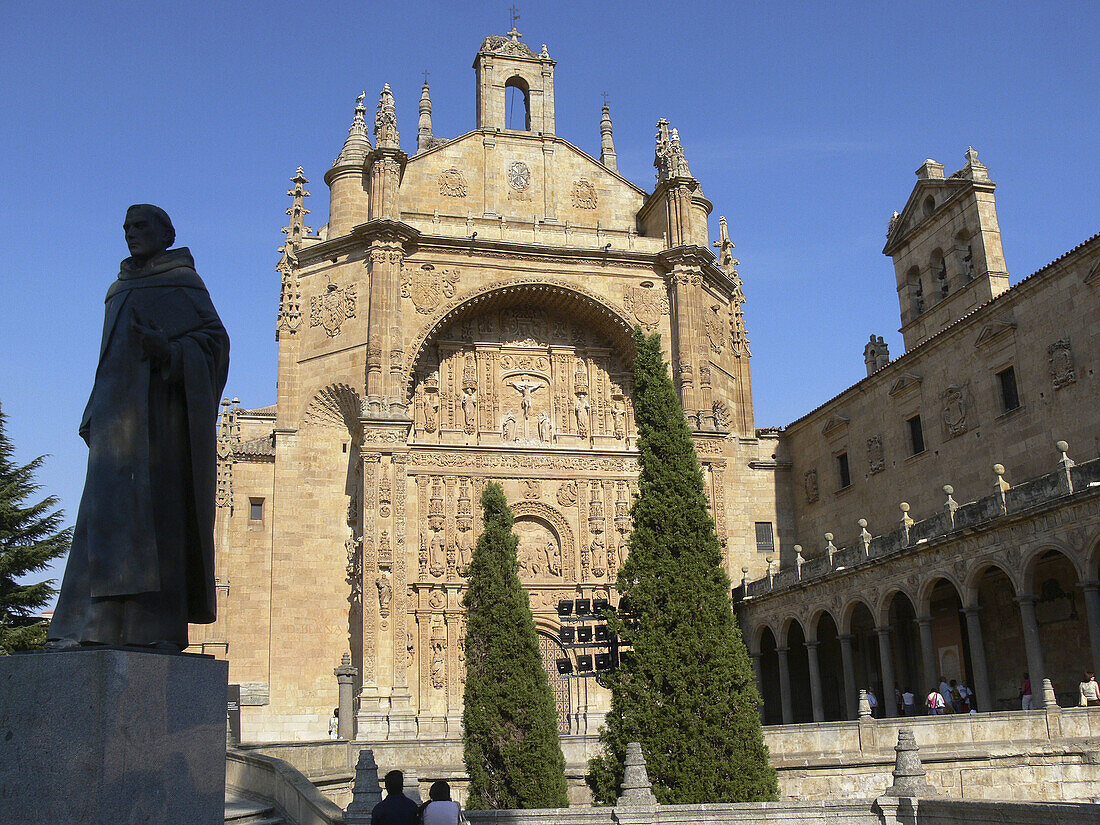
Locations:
{"points": [[526, 389], [619, 414], [385, 594], [545, 428], [508, 428], [437, 557], [582, 409], [469, 409]]}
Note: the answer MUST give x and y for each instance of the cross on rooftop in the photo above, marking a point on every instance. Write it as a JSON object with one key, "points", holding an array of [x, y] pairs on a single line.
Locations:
{"points": [[513, 33], [425, 77], [605, 98]]}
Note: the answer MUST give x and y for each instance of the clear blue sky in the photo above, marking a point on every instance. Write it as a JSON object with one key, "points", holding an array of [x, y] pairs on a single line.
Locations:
{"points": [[803, 121]]}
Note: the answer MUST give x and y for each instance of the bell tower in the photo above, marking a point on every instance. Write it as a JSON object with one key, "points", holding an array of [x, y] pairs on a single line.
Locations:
{"points": [[505, 63]]}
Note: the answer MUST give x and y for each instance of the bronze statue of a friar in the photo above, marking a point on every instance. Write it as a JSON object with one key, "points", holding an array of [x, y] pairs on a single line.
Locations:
{"points": [[142, 560]]}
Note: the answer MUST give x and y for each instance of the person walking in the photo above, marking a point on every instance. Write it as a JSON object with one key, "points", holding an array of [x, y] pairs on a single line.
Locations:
{"points": [[440, 809], [396, 808], [1089, 690], [909, 708], [1025, 693]]}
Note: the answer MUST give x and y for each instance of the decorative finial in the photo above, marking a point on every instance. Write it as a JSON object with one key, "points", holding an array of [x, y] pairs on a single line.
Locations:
{"points": [[513, 33], [607, 142], [426, 77], [385, 121]]}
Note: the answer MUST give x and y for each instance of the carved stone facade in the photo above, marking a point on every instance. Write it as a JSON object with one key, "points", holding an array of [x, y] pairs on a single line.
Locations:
{"points": [[455, 340]]}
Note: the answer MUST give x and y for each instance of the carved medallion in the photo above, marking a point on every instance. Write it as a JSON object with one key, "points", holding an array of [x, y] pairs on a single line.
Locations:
{"points": [[428, 286], [567, 494], [452, 183], [584, 195], [519, 176], [648, 303], [1062, 371], [330, 309]]}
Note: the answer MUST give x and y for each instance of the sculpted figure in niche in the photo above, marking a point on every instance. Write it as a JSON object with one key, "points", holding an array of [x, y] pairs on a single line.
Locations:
{"points": [[431, 412], [385, 594], [464, 544], [469, 409], [437, 556], [142, 560], [582, 409], [526, 389], [438, 668], [619, 414]]}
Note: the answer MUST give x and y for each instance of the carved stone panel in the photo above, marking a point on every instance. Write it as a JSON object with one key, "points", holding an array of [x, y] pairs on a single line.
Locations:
{"points": [[876, 460], [811, 486], [330, 309], [452, 183], [1062, 370]]}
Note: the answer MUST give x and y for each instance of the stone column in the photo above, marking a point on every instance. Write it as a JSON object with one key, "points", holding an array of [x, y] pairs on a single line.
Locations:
{"points": [[977, 658], [759, 682], [851, 694], [815, 681], [1035, 668], [345, 677], [1092, 613], [785, 685], [928, 655], [886, 663]]}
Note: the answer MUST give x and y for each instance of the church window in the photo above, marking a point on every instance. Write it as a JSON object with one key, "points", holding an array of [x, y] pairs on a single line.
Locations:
{"points": [[1010, 396], [518, 104], [916, 435], [255, 509], [765, 537], [842, 472], [929, 206]]}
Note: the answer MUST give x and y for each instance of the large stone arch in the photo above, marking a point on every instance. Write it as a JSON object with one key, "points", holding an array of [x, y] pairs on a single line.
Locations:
{"points": [[923, 598], [551, 295], [845, 624], [1032, 558], [548, 514], [977, 571]]}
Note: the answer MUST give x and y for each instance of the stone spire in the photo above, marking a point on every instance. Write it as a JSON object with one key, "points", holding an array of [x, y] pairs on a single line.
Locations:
{"points": [[385, 121], [738, 334], [876, 354], [669, 156], [357, 144], [635, 790], [974, 169], [297, 229], [424, 131], [909, 776], [607, 142]]}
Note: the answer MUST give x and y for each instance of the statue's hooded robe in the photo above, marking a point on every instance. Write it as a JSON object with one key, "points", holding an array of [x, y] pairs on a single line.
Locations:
{"points": [[142, 560]]}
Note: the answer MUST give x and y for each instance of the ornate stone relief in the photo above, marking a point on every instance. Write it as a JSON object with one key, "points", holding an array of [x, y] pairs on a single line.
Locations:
{"points": [[584, 194], [427, 286], [519, 176], [955, 411], [1062, 370], [539, 550], [439, 662], [532, 488], [567, 493], [385, 593], [648, 302], [876, 460], [544, 461], [330, 309], [452, 183], [811, 486], [716, 327]]}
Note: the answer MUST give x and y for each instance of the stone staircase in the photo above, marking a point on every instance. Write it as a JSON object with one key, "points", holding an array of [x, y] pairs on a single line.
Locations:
{"points": [[242, 811]]}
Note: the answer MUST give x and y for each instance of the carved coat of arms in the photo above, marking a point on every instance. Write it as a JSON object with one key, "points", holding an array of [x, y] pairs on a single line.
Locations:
{"points": [[331, 308], [428, 286], [648, 305]]}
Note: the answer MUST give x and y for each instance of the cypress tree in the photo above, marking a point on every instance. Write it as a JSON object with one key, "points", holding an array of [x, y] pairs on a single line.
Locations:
{"points": [[686, 689], [509, 724], [29, 540]]}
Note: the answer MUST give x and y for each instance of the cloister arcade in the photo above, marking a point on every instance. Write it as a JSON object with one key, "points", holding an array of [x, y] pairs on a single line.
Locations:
{"points": [[982, 616]]}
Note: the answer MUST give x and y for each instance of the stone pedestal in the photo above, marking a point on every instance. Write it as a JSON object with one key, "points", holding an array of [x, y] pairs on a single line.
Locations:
{"points": [[112, 735]]}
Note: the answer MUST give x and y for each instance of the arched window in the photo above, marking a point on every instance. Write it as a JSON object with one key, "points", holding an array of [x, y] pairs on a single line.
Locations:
{"points": [[929, 206], [517, 104], [916, 293], [964, 251]]}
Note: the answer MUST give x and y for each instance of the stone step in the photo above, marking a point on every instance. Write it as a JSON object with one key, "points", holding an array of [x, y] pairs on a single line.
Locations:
{"points": [[242, 811]]}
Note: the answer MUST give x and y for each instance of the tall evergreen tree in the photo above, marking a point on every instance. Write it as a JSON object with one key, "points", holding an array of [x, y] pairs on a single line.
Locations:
{"points": [[510, 731], [30, 539], [686, 690]]}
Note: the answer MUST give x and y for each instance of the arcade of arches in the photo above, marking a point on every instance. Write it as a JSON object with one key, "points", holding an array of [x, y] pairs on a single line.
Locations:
{"points": [[985, 624]]}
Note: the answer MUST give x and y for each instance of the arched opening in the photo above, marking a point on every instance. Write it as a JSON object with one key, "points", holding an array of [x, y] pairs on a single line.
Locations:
{"points": [[916, 292], [865, 659], [798, 665], [1002, 637], [1063, 629], [950, 639], [939, 273], [830, 663], [905, 647], [559, 684], [964, 254], [769, 678], [929, 206], [518, 104]]}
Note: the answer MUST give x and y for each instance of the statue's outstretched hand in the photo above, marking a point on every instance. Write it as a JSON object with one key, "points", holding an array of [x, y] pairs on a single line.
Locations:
{"points": [[152, 339]]}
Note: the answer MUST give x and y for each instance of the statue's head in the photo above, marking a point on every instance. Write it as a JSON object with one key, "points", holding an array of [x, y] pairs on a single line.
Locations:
{"points": [[148, 230]]}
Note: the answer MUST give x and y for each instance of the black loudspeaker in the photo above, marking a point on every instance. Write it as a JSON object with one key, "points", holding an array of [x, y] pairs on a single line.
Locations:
{"points": [[600, 605], [565, 607], [600, 633], [584, 607], [565, 635], [603, 662], [565, 667], [584, 634], [584, 664]]}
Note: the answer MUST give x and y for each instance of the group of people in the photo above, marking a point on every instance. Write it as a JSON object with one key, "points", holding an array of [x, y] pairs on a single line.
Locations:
{"points": [[398, 809], [957, 697]]}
